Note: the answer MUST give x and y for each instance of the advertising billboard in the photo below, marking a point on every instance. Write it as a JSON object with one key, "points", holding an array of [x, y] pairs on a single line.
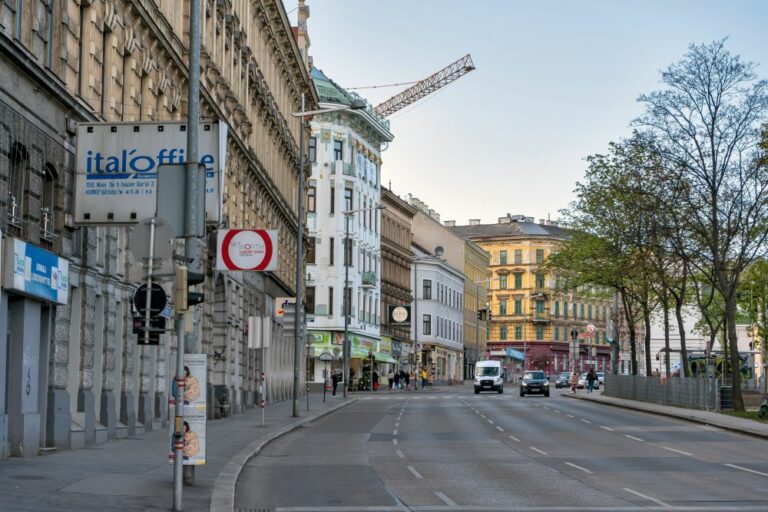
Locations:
{"points": [[32, 270], [117, 165], [246, 249]]}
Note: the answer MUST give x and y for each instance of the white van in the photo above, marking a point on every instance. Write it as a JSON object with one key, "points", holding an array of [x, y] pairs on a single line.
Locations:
{"points": [[489, 376]]}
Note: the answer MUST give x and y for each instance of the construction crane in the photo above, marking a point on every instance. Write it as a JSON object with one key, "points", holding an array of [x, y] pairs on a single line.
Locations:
{"points": [[426, 87]]}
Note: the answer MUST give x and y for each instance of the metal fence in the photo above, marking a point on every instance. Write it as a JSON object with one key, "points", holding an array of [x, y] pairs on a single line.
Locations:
{"points": [[703, 393]]}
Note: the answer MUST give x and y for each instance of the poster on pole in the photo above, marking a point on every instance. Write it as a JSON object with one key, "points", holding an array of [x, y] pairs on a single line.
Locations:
{"points": [[117, 166], [246, 249], [195, 409]]}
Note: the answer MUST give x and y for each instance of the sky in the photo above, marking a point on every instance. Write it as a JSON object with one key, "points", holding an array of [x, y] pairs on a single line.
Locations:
{"points": [[556, 80]]}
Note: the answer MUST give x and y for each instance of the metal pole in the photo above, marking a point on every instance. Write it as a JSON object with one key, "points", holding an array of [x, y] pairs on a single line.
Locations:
{"points": [[262, 367], [347, 299], [477, 326], [299, 264], [192, 164], [306, 376], [325, 379]]}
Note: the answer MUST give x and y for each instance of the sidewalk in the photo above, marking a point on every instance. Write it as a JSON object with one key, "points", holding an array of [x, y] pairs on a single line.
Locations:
{"points": [[715, 419], [133, 474]]}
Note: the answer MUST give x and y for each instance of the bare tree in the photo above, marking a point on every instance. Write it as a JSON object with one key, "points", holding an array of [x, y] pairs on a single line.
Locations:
{"points": [[707, 121]]}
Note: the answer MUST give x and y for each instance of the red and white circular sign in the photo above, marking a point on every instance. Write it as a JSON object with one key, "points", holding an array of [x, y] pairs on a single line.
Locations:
{"points": [[247, 249]]}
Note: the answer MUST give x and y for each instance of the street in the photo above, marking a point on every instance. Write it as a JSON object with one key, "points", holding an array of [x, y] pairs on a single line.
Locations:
{"points": [[449, 449]]}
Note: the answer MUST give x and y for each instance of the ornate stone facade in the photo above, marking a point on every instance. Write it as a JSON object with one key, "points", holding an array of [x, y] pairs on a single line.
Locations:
{"points": [[69, 61]]}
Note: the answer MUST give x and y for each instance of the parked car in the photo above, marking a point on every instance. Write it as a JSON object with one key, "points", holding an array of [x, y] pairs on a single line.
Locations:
{"points": [[601, 378], [563, 380], [534, 382]]}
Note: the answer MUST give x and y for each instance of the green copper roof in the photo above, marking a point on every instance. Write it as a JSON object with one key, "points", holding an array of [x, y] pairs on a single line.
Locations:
{"points": [[330, 92]]}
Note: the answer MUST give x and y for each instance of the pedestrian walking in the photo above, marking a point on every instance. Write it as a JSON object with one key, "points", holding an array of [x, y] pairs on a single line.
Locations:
{"points": [[375, 380], [423, 379], [397, 379], [408, 377], [334, 381], [574, 382], [391, 380], [591, 378]]}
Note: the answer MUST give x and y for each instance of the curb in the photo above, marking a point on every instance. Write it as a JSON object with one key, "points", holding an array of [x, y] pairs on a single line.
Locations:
{"points": [[680, 416], [223, 497]]}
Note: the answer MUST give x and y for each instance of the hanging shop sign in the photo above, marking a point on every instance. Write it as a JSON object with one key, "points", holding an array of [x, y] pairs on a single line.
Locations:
{"points": [[32, 270], [246, 249], [117, 166], [399, 315]]}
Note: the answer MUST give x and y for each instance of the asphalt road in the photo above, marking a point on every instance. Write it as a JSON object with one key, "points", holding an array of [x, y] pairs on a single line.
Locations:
{"points": [[453, 450]]}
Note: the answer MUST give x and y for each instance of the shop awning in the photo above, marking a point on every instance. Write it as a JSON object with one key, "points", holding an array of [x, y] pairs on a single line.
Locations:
{"points": [[383, 357], [359, 353]]}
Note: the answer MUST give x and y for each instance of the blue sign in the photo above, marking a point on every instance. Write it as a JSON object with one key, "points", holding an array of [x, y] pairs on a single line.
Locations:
{"points": [[515, 354], [35, 271]]}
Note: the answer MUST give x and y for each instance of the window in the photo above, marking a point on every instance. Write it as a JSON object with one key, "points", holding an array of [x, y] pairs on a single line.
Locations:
{"points": [[575, 311], [348, 199], [310, 300], [311, 250], [313, 149], [502, 307], [338, 150], [557, 309], [333, 199], [518, 256], [330, 301], [589, 312], [518, 307], [604, 313], [582, 311], [503, 257], [565, 309], [48, 198], [503, 333], [540, 306], [539, 332], [311, 200], [503, 282], [518, 281], [539, 255], [518, 332], [557, 334], [427, 289], [17, 178], [347, 252], [540, 279], [331, 245], [427, 325]]}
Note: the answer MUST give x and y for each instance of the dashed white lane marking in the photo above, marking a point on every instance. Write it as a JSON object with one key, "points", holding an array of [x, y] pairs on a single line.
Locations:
{"points": [[546, 407], [585, 421], [394, 442], [677, 451], [499, 428], [482, 415], [578, 467], [448, 501], [490, 421], [556, 411], [394, 432], [633, 437], [734, 466], [400, 454], [644, 496], [415, 473], [397, 424], [367, 398], [537, 450], [514, 439], [570, 415], [609, 429]]}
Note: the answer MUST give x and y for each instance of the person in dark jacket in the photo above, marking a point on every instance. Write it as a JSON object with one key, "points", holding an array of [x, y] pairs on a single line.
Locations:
{"points": [[591, 378], [335, 381]]}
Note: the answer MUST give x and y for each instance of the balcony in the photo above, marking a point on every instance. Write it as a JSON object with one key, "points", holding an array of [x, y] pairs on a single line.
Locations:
{"points": [[369, 279], [540, 292], [349, 170], [541, 317]]}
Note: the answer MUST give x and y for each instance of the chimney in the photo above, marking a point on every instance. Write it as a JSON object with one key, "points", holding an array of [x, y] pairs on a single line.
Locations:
{"points": [[542, 221], [302, 34], [474, 222], [450, 223], [505, 220], [529, 219]]}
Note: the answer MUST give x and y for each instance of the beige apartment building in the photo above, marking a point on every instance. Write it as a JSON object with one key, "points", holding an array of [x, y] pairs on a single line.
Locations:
{"points": [[67, 61]]}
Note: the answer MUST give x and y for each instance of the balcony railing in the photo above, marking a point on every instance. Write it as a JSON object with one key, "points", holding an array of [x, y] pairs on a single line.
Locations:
{"points": [[369, 278], [349, 170], [541, 316]]}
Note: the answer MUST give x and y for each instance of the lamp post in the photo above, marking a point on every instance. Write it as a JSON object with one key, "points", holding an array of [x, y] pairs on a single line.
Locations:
{"points": [[355, 104], [348, 296]]}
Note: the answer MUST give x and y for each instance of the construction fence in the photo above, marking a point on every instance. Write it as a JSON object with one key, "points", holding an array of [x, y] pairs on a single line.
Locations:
{"points": [[704, 393]]}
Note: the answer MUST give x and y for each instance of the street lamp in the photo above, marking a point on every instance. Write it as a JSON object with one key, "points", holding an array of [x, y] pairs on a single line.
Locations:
{"points": [[347, 296], [355, 104]]}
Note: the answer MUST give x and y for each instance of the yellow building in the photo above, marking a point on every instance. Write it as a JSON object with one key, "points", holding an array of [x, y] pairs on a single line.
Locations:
{"points": [[530, 309]]}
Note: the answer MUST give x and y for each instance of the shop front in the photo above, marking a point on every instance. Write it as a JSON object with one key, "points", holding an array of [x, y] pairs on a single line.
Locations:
{"points": [[366, 354]]}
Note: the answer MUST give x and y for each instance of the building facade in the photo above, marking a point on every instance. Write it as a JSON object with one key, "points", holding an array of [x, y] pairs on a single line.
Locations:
{"points": [[345, 153], [396, 261], [72, 372], [530, 308]]}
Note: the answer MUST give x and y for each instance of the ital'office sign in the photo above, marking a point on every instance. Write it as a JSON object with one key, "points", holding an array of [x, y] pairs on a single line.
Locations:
{"points": [[117, 166]]}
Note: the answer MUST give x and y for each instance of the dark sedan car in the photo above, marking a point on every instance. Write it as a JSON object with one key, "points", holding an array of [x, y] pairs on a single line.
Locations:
{"points": [[534, 382], [563, 380]]}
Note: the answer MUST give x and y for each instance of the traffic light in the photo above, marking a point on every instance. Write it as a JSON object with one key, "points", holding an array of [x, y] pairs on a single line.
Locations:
{"points": [[182, 296]]}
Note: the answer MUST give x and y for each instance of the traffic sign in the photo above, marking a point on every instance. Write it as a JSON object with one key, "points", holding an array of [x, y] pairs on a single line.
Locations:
{"points": [[158, 300], [246, 249], [591, 328]]}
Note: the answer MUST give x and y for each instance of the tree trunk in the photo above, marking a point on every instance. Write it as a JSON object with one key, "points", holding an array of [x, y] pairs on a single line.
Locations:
{"points": [[667, 353], [730, 319], [681, 330], [647, 323], [632, 335]]}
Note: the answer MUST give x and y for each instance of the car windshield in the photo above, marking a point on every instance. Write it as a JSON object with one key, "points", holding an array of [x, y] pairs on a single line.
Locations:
{"points": [[487, 371], [533, 375], [565, 375]]}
